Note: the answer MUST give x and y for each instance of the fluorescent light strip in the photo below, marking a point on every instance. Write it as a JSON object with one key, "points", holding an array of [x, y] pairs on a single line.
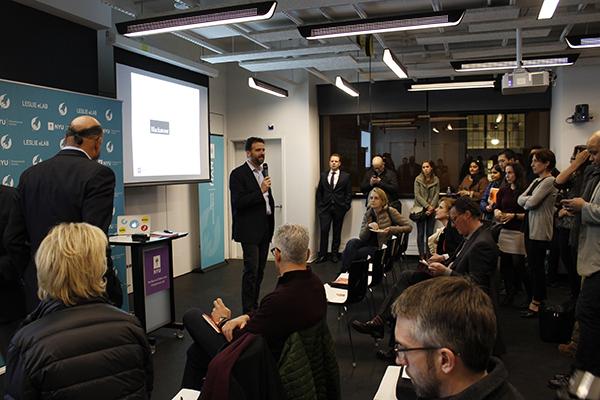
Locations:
{"points": [[548, 8], [583, 42], [392, 62], [363, 27], [195, 19], [267, 87], [419, 87], [343, 84], [499, 65]]}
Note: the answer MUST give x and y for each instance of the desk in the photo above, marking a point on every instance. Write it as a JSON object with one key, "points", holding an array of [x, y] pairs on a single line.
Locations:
{"points": [[152, 271]]}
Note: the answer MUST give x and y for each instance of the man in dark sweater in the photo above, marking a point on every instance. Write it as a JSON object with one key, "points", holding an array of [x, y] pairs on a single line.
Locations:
{"points": [[445, 332], [297, 303]]}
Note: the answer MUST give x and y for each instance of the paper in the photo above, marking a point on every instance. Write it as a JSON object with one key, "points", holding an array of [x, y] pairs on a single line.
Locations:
{"points": [[209, 320], [187, 394], [377, 230]]}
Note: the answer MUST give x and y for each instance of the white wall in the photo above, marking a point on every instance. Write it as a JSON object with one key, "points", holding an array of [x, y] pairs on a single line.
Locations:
{"points": [[295, 121], [574, 85]]}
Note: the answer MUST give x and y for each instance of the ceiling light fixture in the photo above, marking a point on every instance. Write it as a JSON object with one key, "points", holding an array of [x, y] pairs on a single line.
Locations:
{"points": [[344, 85], [267, 87], [198, 19], [449, 126], [495, 141], [548, 8], [392, 62], [382, 25], [528, 62], [499, 118], [583, 41], [436, 130], [419, 87]]}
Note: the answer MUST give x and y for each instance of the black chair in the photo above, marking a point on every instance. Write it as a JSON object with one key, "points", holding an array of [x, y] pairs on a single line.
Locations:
{"points": [[375, 275], [388, 261], [341, 293]]}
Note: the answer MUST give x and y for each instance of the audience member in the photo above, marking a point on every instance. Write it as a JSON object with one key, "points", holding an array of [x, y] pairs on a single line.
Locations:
{"points": [[444, 242], [441, 171], [69, 187], [445, 332], [506, 156], [538, 202], [464, 169], [474, 184], [476, 258], [297, 303], [378, 176], [252, 208], [427, 192], [488, 200], [511, 240], [14, 256], [334, 198], [388, 161], [379, 223], [75, 345], [587, 357]]}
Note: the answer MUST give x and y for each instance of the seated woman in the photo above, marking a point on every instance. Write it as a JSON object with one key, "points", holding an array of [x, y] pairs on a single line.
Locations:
{"points": [[75, 345], [379, 223], [474, 184], [444, 242]]}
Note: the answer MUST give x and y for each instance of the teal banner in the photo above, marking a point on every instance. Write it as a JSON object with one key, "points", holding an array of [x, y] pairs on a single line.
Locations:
{"points": [[212, 216], [33, 122]]}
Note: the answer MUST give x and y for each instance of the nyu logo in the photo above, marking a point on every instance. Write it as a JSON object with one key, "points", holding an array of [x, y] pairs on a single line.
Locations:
{"points": [[6, 142], [36, 124], [159, 127], [109, 147], [36, 159], [62, 109], [108, 115], [2, 122], [4, 101], [8, 181], [4, 163]]}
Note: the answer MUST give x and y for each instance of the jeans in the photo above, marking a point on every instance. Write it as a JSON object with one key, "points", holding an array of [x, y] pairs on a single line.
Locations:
{"points": [[255, 259], [424, 230], [587, 314], [536, 256]]}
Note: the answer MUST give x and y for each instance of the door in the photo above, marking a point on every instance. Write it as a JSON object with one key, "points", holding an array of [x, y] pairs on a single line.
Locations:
{"points": [[274, 159]]}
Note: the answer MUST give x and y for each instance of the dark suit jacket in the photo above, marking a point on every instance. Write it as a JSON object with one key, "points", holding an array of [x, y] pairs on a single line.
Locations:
{"points": [[250, 220], [389, 183], [338, 198], [68, 187], [14, 256], [477, 259]]}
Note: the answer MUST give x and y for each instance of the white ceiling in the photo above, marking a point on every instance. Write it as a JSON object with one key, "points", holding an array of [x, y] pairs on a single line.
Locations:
{"points": [[487, 31]]}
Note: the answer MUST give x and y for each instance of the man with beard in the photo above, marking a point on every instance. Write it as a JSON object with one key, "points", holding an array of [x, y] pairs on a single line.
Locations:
{"points": [[445, 332], [252, 208]]}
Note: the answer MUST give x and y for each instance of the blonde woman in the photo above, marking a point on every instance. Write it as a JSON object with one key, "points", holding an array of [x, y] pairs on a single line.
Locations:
{"points": [[75, 345], [379, 223]]}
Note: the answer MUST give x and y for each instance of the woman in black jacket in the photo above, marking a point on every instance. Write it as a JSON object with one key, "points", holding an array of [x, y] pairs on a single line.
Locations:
{"points": [[75, 345]]}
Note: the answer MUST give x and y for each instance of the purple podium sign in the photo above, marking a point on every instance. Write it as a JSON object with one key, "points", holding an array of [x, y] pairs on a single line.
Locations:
{"points": [[157, 269]]}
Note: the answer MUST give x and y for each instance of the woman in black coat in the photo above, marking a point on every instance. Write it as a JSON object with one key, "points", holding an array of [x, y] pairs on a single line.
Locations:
{"points": [[75, 345]]}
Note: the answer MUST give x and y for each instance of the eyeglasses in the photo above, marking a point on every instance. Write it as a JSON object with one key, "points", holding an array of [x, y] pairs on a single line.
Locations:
{"points": [[273, 250], [401, 351]]}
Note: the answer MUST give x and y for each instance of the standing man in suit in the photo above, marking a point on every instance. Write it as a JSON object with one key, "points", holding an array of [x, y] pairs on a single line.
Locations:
{"points": [[334, 197], [14, 256], [252, 208], [70, 187]]}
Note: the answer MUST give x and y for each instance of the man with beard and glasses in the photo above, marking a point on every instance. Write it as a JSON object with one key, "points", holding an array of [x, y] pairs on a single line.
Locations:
{"points": [[69, 187], [445, 332], [252, 208]]}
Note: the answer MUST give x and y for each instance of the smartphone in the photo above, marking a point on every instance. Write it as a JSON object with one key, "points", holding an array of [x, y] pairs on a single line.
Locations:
{"points": [[423, 266]]}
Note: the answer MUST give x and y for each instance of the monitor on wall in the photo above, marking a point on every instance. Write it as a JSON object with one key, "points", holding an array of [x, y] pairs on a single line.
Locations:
{"points": [[165, 124]]}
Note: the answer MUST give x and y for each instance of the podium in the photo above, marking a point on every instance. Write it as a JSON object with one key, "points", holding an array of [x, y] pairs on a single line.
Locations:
{"points": [[152, 272]]}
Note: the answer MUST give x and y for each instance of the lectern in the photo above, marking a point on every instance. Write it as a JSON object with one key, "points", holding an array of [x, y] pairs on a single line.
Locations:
{"points": [[152, 272]]}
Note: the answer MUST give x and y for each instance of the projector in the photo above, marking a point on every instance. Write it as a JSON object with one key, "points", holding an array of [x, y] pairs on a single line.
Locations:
{"points": [[522, 81]]}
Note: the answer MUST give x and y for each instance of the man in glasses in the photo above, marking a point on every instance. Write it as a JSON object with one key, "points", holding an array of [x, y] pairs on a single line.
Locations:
{"points": [[445, 332]]}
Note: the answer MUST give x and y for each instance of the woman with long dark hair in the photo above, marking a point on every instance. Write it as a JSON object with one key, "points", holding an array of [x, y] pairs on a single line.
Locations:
{"points": [[474, 184], [538, 202], [427, 192], [488, 200], [511, 240]]}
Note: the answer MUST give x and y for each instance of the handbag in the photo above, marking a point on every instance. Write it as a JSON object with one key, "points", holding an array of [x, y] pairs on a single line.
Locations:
{"points": [[417, 214]]}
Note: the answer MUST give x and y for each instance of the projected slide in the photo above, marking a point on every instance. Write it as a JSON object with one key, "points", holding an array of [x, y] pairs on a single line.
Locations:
{"points": [[165, 128]]}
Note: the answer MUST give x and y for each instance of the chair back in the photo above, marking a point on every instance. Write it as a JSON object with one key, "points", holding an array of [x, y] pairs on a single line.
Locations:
{"points": [[403, 244], [377, 267], [388, 260], [357, 281]]}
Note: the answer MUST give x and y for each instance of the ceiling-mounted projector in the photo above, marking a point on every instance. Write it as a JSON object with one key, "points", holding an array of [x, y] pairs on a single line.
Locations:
{"points": [[522, 81]]}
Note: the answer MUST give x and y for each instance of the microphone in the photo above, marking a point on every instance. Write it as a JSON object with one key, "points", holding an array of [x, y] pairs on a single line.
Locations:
{"points": [[265, 170]]}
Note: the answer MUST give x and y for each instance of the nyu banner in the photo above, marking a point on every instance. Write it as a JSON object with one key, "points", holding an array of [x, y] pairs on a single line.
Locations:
{"points": [[212, 217], [33, 123]]}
